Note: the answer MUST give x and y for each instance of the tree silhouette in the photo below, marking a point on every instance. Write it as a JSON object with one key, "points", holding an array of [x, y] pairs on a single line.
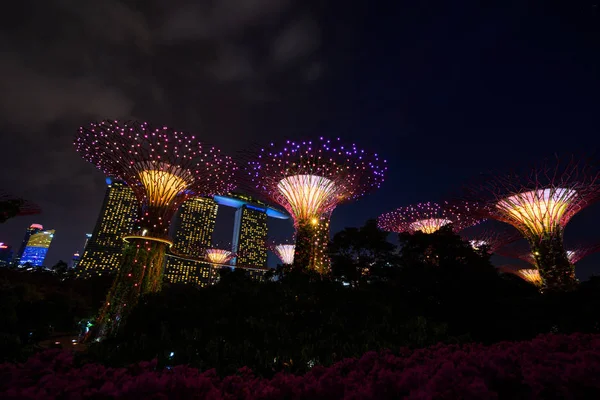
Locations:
{"points": [[360, 253], [61, 268]]}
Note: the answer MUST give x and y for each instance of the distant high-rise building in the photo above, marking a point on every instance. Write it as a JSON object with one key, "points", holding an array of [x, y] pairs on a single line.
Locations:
{"points": [[33, 228], [103, 250], [250, 229], [192, 234], [37, 248], [87, 239], [6, 254], [75, 260]]}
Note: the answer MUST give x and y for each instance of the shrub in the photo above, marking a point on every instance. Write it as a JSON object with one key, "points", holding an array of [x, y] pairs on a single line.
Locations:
{"points": [[548, 367]]}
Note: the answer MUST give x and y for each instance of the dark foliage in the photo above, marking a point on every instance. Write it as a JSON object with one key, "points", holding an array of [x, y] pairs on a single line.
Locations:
{"points": [[548, 367], [436, 290], [360, 255], [37, 304]]}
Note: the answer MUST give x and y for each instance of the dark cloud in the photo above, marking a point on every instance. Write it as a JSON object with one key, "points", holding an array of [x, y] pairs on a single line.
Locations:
{"points": [[201, 66], [213, 20]]}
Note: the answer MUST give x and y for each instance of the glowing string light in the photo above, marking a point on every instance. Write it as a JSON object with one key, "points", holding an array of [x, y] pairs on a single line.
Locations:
{"points": [[428, 218], [538, 211], [309, 179]]}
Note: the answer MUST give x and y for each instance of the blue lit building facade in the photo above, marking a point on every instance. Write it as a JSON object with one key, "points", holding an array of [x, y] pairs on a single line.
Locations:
{"points": [[37, 248], [33, 229]]}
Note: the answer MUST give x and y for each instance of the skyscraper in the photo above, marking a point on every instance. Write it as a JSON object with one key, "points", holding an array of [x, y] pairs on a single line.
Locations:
{"points": [[194, 226], [6, 254], [192, 234], [103, 250], [75, 260], [87, 239], [250, 229], [250, 236], [37, 248], [33, 228]]}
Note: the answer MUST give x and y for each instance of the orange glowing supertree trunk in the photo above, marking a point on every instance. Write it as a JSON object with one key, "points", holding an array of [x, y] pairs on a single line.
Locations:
{"points": [[309, 179], [163, 168], [428, 218], [539, 203]]}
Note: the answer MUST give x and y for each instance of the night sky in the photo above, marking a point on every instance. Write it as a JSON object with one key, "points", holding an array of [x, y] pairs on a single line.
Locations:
{"points": [[443, 89]]}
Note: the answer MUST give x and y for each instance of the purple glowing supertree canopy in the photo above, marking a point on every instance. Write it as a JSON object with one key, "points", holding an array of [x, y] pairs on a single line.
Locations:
{"points": [[309, 179], [429, 217], [162, 166], [539, 203]]}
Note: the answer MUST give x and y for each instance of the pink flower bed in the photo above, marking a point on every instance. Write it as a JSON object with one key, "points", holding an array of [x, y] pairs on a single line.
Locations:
{"points": [[548, 367]]}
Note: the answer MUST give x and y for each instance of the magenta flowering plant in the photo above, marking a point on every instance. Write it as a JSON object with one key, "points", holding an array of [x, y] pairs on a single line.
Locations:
{"points": [[547, 367]]}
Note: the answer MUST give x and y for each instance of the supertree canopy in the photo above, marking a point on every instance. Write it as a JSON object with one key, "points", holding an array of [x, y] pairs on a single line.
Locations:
{"points": [[490, 239], [163, 168], [309, 179], [217, 258], [539, 204], [531, 275], [522, 251], [11, 206], [285, 252], [428, 217]]}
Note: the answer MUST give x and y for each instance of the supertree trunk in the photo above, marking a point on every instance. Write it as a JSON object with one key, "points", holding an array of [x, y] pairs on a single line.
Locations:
{"points": [[557, 272], [141, 272], [312, 240]]}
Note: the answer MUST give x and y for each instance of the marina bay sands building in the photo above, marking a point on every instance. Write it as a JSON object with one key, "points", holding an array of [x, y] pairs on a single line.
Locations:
{"points": [[249, 241], [103, 249], [193, 232]]}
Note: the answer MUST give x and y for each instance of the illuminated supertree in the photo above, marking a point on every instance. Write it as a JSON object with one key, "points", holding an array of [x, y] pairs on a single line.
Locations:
{"points": [[11, 206], [531, 275], [428, 218], [522, 251], [285, 252], [490, 239], [163, 168], [309, 179], [217, 258], [539, 204]]}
